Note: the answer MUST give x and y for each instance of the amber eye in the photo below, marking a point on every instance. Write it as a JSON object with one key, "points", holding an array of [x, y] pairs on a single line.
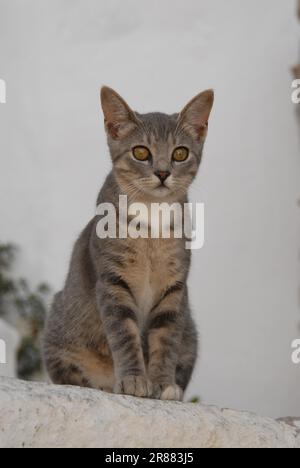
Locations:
{"points": [[181, 154], [141, 153]]}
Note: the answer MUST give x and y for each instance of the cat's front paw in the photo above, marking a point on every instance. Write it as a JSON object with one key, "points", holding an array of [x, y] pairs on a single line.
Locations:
{"points": [[170, 392], [138, 386]]}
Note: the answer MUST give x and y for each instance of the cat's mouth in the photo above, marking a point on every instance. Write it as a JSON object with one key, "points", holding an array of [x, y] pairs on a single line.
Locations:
{"points": [[158, 190], [162, 189]]}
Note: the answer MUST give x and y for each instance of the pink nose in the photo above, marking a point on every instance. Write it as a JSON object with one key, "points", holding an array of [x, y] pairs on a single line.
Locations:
{"points": [[162, 175]]}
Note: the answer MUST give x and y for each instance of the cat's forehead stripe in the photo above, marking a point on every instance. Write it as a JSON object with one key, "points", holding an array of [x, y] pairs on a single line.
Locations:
{"points": [[159, 126]]}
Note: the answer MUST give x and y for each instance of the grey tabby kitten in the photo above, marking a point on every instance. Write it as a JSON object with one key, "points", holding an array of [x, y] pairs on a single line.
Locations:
{"points": [[122, 322]]}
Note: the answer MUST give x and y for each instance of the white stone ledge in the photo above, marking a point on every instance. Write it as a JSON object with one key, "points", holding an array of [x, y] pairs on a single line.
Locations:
{"points": [[44, 416]]}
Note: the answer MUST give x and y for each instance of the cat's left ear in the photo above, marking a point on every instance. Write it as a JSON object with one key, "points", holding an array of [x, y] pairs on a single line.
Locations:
{"points": [[195, 116], [120, 120]]}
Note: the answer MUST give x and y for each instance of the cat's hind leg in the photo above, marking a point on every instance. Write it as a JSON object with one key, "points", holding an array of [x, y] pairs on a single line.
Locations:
{"points": [[81, 368], [69, 358]]}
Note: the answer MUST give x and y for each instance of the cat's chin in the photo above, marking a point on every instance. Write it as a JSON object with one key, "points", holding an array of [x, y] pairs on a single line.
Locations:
{"points": [[162, 192]]}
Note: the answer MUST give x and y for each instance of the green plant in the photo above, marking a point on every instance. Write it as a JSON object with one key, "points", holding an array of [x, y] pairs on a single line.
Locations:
{"points": [[195, 400], [27, 308]]}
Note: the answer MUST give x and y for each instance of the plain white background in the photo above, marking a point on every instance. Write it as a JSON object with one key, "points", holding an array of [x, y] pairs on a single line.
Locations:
{"points": [[54, 56]]}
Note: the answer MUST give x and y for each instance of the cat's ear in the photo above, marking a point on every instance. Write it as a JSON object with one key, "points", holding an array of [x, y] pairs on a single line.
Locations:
{"points": [[119, 119], [195, 116]]}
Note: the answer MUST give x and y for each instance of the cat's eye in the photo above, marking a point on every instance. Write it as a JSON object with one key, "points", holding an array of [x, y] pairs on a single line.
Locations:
{"points": [[181, 154], [141, 153]]}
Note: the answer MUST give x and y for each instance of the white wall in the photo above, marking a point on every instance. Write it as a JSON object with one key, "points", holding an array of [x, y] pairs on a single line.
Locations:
{"points": [[55, 54]]}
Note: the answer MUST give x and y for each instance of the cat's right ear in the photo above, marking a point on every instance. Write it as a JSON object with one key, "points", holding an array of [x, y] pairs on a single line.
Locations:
{"points": [[119, 119]]}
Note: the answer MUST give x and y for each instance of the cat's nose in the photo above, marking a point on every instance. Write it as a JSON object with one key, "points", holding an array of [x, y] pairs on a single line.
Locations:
{"points": [[162, 175]]}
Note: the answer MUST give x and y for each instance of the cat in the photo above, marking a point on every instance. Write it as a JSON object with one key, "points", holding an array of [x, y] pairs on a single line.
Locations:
{"points": [[123, 323]]}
